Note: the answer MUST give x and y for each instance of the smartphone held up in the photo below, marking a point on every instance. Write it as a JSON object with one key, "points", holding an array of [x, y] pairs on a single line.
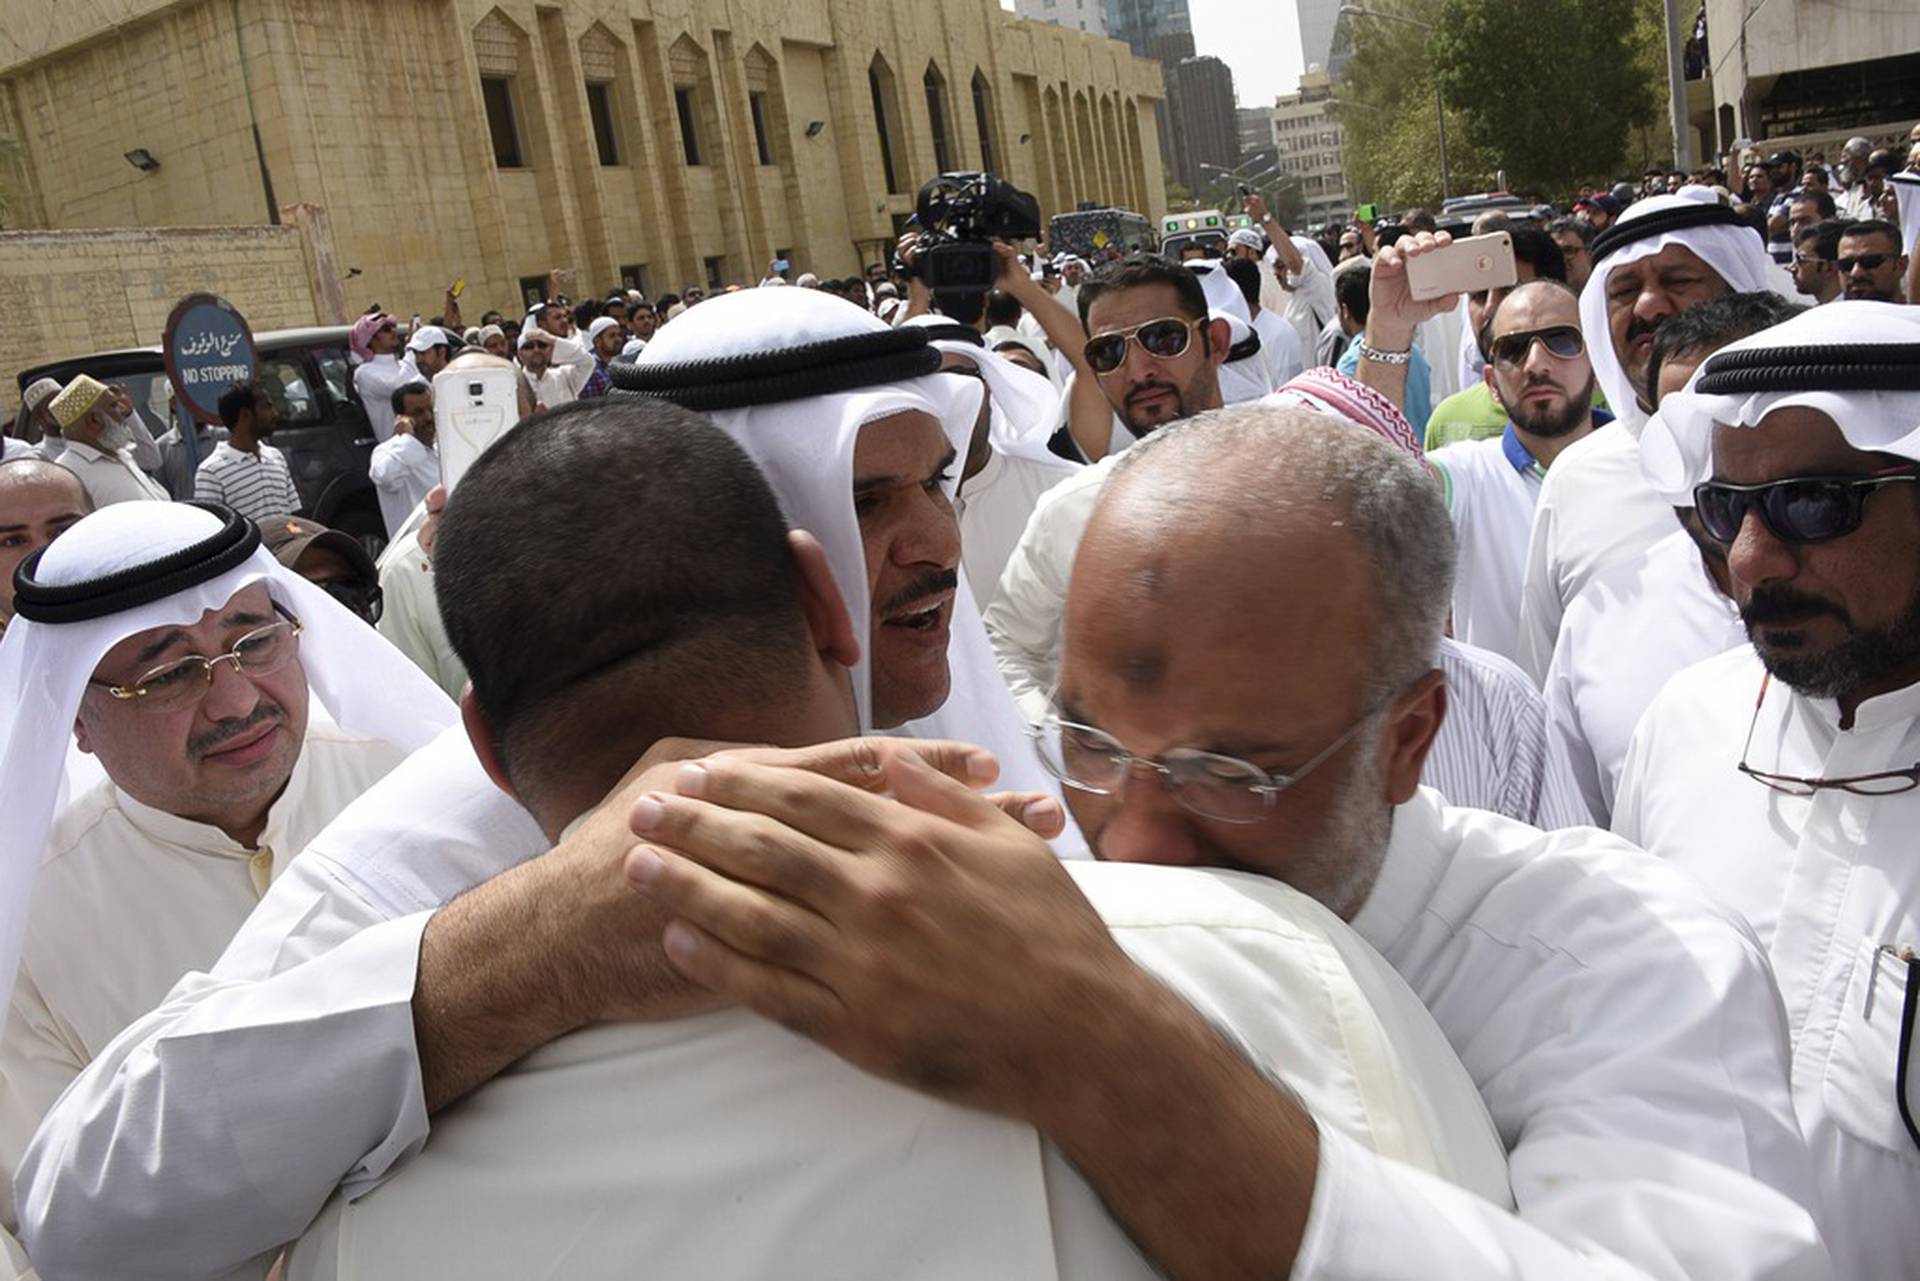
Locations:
{"points": [[1465, 266]]}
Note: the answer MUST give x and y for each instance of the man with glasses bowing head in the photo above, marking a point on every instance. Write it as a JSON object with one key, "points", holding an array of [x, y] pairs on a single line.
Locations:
{"points": [[1783, 775], [235, 707]]}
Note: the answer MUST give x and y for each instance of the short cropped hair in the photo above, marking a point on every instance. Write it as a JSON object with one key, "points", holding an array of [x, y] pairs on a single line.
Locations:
{"points": [[613, 572], [1136, 270], [1706, 327], [417, 387]]}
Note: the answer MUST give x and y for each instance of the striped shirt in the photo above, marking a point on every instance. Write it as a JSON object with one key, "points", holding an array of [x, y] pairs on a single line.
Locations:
{"points": [[255, 485]]}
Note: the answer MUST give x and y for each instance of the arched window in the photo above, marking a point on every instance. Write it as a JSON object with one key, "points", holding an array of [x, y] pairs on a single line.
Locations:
{"points": [[936, 87], [886, 118]]}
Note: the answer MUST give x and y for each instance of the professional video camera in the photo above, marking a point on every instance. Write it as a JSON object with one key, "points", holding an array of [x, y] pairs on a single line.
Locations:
{"points": [[959, 217]]}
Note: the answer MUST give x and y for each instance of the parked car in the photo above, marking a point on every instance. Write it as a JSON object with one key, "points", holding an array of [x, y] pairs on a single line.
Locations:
{"points": [[1460, 211], [323, 430]]}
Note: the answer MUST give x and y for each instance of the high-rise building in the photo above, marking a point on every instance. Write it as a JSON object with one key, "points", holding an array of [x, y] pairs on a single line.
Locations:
{"points": [[1138, 22], [1311, 146], [1089, 16], [1317, 19], [1201, 120]]}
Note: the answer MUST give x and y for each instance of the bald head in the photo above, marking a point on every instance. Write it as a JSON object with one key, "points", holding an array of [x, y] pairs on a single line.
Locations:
{"points": [[38, 500], [1250, 507], [1270, 586]]}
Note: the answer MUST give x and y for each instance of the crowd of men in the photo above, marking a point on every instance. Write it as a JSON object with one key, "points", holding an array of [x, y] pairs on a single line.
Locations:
{"points": [[1214, 768]]}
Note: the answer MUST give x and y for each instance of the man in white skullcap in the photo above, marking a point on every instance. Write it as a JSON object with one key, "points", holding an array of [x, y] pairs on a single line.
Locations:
{"points": [[553, 384], [1623, 1029], [165, 642], [100, 444], [608, 1114], [318, 993], [1783, 774], [1664, 255], [1007, 465], [1644, 619], [606, 339], [33, 427]]}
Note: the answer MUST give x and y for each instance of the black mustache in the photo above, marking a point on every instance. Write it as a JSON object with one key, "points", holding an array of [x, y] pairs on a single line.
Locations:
{"points": [[1638, 328], [928, 584], [201, 744], [1784, 605]]}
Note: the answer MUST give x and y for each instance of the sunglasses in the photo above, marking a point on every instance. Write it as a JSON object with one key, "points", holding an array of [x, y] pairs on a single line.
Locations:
{"points": [[1865, 262], [1801, 509], [1563, 342], [1163, 339]]}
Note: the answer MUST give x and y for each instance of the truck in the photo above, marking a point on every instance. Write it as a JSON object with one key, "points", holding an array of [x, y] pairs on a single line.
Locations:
{"points": [[1092, 233], [1203, 229]]}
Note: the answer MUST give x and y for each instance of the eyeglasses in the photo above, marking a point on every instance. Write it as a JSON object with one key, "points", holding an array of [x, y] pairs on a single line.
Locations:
{"points": [[1563, 342], [1164, 339], [1800, 509], [1886, 783], [174, 685], [1865, 262], [1213, 786], [1815, 262]]}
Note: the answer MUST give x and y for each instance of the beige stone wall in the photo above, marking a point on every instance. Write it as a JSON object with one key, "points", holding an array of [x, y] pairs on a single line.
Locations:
{"points": [[64, 293], [372, 110]]}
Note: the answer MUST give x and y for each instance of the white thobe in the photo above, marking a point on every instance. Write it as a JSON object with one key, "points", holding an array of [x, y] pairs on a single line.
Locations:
{"points": [[1825, 880], [110, 476], [402, 469], [1492, 751], [1310, 301], [1491, 486], [130, 898], [410, 611], [994, 505], [1280, 346], [374, 382], [1595, 509], [1625, 1037], [572, 365], [12, 448], [737, 1149], [1633, 627]]}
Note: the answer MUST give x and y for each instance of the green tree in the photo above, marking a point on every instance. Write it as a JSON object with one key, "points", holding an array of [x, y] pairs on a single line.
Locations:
{"points": [[1550, 91], [1387, 110]]}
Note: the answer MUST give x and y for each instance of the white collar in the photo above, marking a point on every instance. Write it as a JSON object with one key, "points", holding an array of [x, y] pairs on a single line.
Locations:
{"points": [[1410, 873]]}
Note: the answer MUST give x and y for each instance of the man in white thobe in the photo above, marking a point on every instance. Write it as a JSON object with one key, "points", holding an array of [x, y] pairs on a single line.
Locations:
{"points": [[806, 1167], [380, 374], [1539, 372], [404, 466], [1644, 619], [316, 994], [196, 703], [1782, 774], [1623, 1028], [101, 444], [555, 369], [1664, 255]]}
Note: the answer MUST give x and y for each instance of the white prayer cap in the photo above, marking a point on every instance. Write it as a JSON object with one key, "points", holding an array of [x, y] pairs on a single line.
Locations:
{"points": [[1025, 407], [133, 567], [487, 332], [808, 280], [1856, 362], [600, 326], [1246, 237], [1692, 217], [633, 348], [40, 392], [427, 336], [793, 375]]}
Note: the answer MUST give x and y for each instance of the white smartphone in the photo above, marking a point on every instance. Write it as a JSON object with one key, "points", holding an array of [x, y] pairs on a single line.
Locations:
{"points": [[1465, 266], [472, 408]]}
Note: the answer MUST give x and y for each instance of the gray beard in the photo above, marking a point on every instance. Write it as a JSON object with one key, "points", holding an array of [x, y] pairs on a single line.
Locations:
{"points": [[116, 435], [1863, 659]]}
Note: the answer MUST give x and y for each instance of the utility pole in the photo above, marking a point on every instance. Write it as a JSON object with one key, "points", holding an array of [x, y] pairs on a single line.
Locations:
{"points": [[1677, 90]]}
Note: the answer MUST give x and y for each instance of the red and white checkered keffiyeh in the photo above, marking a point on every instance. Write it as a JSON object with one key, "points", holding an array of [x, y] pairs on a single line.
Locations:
{"points": [[1328, 391]]}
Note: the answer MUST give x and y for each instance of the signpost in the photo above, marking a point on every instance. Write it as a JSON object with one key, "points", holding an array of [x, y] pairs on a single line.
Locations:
{"points": [[208, 348]]}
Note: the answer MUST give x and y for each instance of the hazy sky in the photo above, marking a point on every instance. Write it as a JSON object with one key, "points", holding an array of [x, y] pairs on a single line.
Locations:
{"points": [[1259, 39]]}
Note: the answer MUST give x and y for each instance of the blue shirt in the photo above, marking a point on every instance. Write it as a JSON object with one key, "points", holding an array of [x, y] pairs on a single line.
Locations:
{"points": [[1419, 386]]}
